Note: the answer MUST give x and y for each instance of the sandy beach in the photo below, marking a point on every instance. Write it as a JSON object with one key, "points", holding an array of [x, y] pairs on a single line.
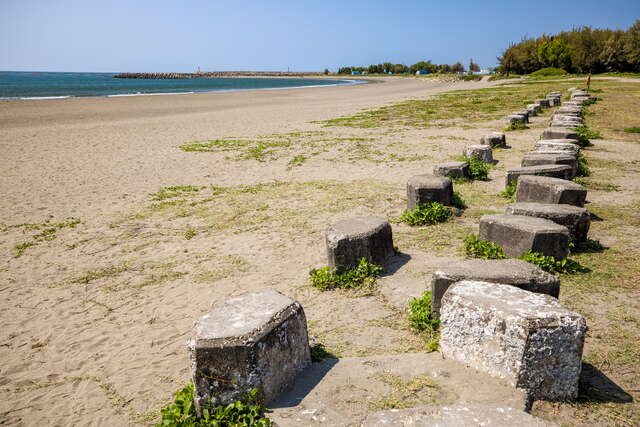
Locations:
{"points": [[95, 319]]}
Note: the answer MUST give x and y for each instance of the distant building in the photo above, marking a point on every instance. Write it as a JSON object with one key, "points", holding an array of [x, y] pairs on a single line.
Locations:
{"points": [[421, 72], [356, 73]]}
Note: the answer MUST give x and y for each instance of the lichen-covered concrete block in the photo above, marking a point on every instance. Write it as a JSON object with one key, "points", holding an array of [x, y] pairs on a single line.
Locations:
{"points": [[554, 100], [518, 234], [528, 339], [576, 219], [452, 169], [559, 133], [494, 139], [480, 152], [257, 340], [543, 102], [367, 237], [514, 272], [557, 144], [541, 158], [517, 118], [454, 416], [429, 188], [556, 171], [543, 189]]}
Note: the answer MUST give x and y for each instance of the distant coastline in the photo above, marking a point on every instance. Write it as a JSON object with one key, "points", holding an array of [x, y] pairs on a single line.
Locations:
{"points": [[216, 75]]}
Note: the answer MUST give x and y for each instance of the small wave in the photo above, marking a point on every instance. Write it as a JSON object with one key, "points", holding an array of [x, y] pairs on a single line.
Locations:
{"points": [[44, 97]]}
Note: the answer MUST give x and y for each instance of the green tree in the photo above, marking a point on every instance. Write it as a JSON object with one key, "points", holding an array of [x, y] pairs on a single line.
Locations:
{"points": [[554, 53]]}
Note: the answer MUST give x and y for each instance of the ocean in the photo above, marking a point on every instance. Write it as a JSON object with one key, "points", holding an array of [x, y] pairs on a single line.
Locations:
{"points": [[48, 85]]}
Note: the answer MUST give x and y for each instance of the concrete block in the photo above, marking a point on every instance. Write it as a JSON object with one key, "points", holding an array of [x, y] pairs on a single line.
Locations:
{"points": [[452, 169], [554, 100], [518, 234], [558, 145], [494, 139], [524, 113], [257, 340], [481, 152], [543, 102], [556, 171], [527, 339], [367, 237], [429, 188], [517, 118], [514, 272], [533, 110], [454, 416], [544, 189], [538, 158], [559, 133], [576, 219]]}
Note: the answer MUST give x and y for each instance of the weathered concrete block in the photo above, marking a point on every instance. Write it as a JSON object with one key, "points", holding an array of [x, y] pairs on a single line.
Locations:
{"points": [[452, 169], [544, 103], [528, 339], [576, 219], [494, 139], [533, 110], [555, 93], [558, 145], [257, 340], [554, 100], [523, 113], [556, 171], [559, 133], [518, 234], [544, 189], [429, 188], [512, 272], [481, 152], [517, 118], [454, 416], [367, 237], [541, 158], [567, 117]]}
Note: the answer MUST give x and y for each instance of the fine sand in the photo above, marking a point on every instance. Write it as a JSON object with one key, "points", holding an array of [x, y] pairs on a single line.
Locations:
{"points": [[95, 320]]}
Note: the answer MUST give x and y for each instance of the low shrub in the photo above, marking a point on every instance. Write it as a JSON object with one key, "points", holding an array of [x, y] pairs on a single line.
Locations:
{"points": [[510, 190], [182, 412], [583, 167], [428, 213], [478, 170], [548, 72], [585, 135], [365, 273], [516, 126], [420, 316], [552, 265], [475, 248]]}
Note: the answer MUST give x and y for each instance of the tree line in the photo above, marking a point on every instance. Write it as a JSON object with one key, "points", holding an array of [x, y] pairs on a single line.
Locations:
{"points": [[581, 50], [388, 67]]}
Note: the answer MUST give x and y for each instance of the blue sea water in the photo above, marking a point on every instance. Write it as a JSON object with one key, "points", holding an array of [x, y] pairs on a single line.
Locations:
{"points": [[45, 85]]}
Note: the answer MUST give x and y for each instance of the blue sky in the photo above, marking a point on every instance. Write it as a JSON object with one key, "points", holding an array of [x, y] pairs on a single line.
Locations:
{"points": [[180, 35]]}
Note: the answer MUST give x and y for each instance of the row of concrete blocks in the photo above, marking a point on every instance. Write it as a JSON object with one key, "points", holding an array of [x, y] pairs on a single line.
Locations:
{"points": [[482, 152], [523, 116]]}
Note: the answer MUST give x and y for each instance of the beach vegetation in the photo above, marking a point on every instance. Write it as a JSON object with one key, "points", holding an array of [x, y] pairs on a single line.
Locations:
{"points": [[362, 275], [182, 412], [632, 129], [428, 213], [583, 167], [594, 185], [549, 72], [174, 191], [585, 135], [420, 316], [515, 126], [41, 232], [319, 352], [551, 264], [476, 248], [509, 191]]}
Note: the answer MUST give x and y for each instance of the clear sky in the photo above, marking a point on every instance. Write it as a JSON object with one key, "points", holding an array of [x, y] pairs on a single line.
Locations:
{"points": [[180, 35]]}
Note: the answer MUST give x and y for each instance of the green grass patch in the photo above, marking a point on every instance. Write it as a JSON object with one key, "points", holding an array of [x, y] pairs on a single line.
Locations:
{"points": [[552, 265], [182, 412], [548, 72], [45, 231], [478, 170], [509, 191], [420, 316], [174, 191], [361, 276], [428, 213], [475, 248], [585, 135], [583, 167], [593, 185], [633, 129]]}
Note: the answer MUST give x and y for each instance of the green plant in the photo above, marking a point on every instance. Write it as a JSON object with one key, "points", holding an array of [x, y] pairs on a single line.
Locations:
{"points": [[583, 167], [552, 265], [587, 246], [510, 190], [585, 135], [633, 129], [475, 248], [365, 273], [319, 353], [420, 316], [478, 170], [428, 213], [549, 71], [516, 126], [457, 201], [182, 412], [190, 233]]}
